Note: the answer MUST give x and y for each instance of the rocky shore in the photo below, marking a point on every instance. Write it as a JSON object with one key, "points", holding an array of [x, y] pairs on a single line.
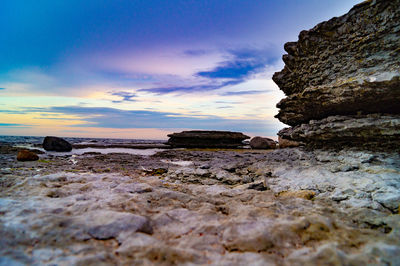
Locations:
{"points": [[331, 197], [224, 207]]}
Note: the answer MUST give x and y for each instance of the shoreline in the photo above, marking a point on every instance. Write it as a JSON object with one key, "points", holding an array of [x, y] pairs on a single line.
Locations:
{"points": [[182, 206]]}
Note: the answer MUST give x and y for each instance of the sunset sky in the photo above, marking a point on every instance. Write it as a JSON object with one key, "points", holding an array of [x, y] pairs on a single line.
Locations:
{"points": [[142, 69]]}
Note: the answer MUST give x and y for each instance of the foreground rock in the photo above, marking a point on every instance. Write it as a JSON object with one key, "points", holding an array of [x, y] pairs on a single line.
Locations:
{"points": [[26, 155], [262, 143], [206, 139], [242, 207], [56, 144], [347, 67]]}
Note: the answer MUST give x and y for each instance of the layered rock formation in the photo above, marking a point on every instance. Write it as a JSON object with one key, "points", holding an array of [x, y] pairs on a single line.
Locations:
{"points": [[342, 78], [206, 139]]}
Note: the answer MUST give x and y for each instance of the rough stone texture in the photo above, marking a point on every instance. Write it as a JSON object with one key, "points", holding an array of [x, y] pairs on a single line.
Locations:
{"points": [[347, 66], [314, 208], [26, 155], [372, 130], [287, 143], [206, 139], [262, 143], [56, 144]]}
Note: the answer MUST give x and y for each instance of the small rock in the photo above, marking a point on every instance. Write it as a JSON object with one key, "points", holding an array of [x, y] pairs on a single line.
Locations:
{"points": [[56, 144], [248, 236], [258, 186], [304, 194], [25, 155], [262, 143], [129, 222]]}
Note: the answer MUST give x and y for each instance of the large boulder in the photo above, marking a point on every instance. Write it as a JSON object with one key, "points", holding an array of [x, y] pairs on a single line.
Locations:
{"points": [[206, 139], [56, 144], [342, 78], [262, 143], [26, 155]]}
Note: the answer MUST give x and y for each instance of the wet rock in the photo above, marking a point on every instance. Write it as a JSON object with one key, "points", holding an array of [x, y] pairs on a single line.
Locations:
{"points": [[206, 139], [262, 143], [56, 144], [26, 155]]}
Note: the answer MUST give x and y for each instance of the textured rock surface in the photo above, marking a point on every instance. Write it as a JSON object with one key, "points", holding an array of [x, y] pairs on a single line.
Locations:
{"points": [[56, 144], [346, 66], [262, 143], [365, 130], [249, 207], [206, 139], [25, 155]]}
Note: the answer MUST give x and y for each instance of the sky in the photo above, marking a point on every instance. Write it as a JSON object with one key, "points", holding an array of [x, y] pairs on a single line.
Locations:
{"points": [[146, 68]]}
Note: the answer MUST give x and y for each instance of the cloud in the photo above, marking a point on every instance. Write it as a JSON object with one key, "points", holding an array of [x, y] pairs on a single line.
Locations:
{"points": [[13, 125], [197, 52], [194, 88], [126, 96], [238, 93], [244, 62], [105, 117], [240, 65]]}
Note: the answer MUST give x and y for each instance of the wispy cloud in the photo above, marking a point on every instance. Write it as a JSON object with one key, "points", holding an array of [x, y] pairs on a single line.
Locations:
{"points": [[238, 93], [244, 62], [239, 66], [105, 117], [126, 96], [13, 125], [197, 52], [190, 89]]}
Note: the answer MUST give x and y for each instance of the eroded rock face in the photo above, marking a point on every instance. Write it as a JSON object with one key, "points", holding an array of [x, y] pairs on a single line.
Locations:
{"points": [[347, 66], [206, 139], [369, 130]]}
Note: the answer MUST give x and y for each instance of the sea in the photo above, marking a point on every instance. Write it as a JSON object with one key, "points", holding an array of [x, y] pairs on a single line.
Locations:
{"points": [[100, 145]]}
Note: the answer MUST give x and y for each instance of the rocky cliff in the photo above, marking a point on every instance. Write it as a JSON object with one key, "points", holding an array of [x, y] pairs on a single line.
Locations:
{"points": [[342, 79]]}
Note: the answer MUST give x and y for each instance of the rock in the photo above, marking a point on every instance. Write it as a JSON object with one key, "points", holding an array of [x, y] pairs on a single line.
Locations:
{"points": [[248, 236], [206, 139], [262, 143], [304, 194], [342, 79], [286, 143], [109, 224], [25, 155], [56, 144], [363, 131]]}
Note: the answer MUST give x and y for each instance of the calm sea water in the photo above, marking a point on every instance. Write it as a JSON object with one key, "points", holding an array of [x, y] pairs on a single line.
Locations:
{"points": [[39, 140]]}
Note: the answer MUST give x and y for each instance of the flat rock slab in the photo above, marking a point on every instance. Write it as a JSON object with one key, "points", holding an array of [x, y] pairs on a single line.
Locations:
{"points": [[206, 139]]}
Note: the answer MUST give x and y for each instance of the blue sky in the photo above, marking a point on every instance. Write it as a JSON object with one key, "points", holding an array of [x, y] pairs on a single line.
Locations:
{"points": [[155, 65]]}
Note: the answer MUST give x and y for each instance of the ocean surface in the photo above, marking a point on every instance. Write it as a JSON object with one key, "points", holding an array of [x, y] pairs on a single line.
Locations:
{"points": [[100, 141], [99, 145]]}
